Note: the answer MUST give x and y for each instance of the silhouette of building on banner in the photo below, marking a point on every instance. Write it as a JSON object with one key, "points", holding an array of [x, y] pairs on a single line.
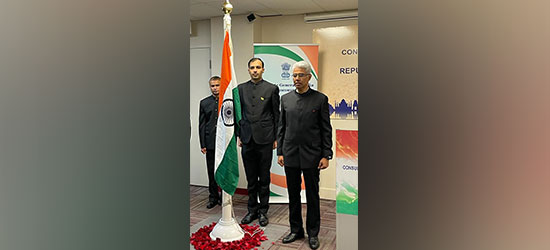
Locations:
{"points": [[344, 110]]}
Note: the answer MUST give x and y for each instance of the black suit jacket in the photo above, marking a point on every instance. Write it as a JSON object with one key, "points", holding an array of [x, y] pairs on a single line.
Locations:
{"points": [[305, 133], [260, 112], [208, 118]]}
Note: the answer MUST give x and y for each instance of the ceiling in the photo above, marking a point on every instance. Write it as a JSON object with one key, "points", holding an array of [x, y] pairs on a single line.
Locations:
{"points": [[205, 9]]}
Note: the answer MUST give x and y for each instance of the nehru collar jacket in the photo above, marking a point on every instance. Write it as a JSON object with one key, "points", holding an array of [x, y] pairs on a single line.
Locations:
{"points": [[208, 118], [304, 131], [260, 112]]}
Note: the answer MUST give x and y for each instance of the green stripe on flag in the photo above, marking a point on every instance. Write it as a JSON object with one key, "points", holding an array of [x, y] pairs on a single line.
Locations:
{"points": [[278, 50], [237, 107], [227, 174]]}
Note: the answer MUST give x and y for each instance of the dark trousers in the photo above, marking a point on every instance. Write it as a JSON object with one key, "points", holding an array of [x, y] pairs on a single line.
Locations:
{"points": [[212, 185], [257, 160], [294, 181]]}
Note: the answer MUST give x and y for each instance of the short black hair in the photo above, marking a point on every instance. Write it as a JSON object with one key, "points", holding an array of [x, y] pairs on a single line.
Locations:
{"points": [[255, 59], [214, 78]]}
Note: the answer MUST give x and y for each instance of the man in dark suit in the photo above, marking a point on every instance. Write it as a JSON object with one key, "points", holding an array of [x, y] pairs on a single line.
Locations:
{"points": [[304, 146], [208, 118], [257, 135]]}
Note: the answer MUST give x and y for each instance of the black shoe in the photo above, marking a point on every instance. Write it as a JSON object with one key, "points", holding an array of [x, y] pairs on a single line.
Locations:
{"points": [[263, 220], [219, 202], [249, 217], [292, 237], [211, 204], [314, 242]]}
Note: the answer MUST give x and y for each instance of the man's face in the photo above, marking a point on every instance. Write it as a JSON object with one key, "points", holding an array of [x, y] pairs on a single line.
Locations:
{"points": [[256, 70], [300, 78], [215, 87]]}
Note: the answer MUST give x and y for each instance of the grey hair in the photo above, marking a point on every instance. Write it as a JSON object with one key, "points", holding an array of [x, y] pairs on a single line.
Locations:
{"points": [[303, 65]]}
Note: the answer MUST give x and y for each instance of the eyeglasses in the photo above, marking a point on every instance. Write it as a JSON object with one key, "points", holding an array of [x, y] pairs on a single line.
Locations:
{"points": [[300, 75]]}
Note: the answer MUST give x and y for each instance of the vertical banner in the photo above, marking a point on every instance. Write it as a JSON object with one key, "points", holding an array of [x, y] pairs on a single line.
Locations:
{"points": [[339, 69], [278, 60], [347, 167]]}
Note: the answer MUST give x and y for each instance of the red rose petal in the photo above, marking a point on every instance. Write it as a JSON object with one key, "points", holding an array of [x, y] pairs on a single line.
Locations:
{"points": [[253, 237]]}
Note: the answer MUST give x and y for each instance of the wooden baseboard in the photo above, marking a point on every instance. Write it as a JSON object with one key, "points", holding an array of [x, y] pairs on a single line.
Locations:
{"points": [[327, 193]]}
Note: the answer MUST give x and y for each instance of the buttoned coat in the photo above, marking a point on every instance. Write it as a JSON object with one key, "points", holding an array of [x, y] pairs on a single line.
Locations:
{"points": [[260, 112], [304, 131], [208, 118]]}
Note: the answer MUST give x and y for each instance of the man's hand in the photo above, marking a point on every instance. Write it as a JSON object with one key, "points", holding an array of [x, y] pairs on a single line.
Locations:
{"points": [[323, 163], [274, 144], [203, 150], [281, 161], [239, 142]]}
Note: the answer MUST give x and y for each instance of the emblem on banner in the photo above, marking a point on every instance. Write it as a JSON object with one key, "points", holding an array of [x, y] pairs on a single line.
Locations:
{"points": [[285, 67]]}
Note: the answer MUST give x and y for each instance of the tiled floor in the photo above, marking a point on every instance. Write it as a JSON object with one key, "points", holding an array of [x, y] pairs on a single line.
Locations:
{"points": [[278, 214]]}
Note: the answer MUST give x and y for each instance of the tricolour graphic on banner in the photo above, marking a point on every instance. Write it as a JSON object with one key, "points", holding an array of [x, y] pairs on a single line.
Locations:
{"points": [[278, 60], [347, 168]]}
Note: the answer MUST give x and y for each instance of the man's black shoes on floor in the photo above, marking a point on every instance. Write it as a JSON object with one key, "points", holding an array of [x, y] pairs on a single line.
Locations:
{"points": [[263, 220], [292, 237], [211, 204], [249, 217], [314, 242]]}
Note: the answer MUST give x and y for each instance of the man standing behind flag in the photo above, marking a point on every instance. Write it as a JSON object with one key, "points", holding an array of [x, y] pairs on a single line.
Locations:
{"points": [[208, 118], [257, 136]]}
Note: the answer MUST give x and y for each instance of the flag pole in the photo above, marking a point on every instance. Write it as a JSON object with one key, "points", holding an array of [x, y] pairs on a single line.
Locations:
{"points": [[227, 229]]}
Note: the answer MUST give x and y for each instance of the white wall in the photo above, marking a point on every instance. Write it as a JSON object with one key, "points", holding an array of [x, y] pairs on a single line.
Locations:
{"points": [[200, 34], [199, 76], [199, 87]]}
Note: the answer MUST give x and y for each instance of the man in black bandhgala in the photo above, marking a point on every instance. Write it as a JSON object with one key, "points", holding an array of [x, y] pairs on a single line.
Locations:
{"points": [[257, 135], [208, 118], [304, 147]]}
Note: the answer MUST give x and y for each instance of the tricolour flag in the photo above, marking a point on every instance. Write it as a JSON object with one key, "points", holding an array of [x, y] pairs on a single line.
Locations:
{"points": [[229, 115]]}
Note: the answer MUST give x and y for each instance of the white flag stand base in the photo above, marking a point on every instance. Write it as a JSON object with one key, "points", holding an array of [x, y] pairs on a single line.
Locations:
{"points": [[227, 229]]}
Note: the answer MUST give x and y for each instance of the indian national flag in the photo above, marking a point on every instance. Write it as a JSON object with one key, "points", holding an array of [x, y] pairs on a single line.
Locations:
{"points": [[229, 115]]}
